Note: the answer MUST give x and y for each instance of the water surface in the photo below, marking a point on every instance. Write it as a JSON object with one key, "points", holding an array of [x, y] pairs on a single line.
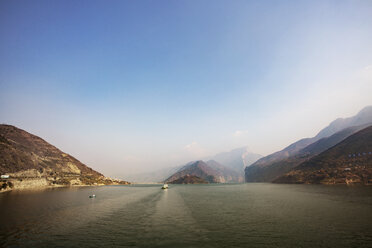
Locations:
{"points": [[241, 215]]}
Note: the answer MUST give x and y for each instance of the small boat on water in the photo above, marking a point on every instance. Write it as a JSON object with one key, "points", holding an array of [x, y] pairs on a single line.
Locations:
{"points": [[165, 186], [92, 196]]}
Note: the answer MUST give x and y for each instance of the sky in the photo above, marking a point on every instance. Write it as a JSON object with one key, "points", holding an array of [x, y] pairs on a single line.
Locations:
{"points": [[133, 86]]}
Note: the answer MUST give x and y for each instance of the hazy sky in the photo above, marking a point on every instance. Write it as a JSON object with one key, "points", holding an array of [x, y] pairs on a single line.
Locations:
{"points": [[128, 86]]}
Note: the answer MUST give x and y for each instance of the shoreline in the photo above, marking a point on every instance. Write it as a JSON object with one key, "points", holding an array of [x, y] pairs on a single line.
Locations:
{"points": [[36, 185], [51, 187], [99, 185]]}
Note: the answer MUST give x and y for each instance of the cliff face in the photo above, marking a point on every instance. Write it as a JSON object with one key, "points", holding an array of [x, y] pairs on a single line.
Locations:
{"points": [[350, 161], [30, 161]]}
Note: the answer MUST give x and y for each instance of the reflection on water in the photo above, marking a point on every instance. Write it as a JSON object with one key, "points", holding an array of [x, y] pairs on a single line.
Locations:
{"points": [[241, 215]]}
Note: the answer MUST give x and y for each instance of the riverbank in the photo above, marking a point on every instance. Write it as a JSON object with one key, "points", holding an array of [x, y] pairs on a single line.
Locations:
{"points": [[42, 183], [50, 187]]}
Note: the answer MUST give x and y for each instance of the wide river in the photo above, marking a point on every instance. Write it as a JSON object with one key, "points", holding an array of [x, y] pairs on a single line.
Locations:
{"points": [[236, 215]]}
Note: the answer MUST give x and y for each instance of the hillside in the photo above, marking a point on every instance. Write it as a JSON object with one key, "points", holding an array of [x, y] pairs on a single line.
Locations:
{"points": [[225, 174], [31, 161], [272, 166], [276, 169], [199, 169], [350, 161], [236, 160], [188, 179]]}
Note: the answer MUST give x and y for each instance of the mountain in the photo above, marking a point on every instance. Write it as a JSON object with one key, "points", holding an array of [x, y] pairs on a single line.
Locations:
{"points": [[278, 168], [229, 164], [156, 176], [210, 171], [325, 143], [236, 159], [30, 161], [225, 174], [188, 179], [350, 161], [362, 118], [272, 166], [199, 169]]}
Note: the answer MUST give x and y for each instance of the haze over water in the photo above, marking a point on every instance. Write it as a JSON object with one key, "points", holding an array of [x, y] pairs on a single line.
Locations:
{"points": [[241, 215]]}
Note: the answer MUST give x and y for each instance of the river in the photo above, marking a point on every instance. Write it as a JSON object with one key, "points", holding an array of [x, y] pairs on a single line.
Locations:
{"points": [[216, 215]]}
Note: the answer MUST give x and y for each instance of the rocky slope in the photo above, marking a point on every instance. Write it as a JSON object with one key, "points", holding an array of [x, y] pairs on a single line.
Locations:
{"points": [[350, 161], [31, 162], [270, 167]]}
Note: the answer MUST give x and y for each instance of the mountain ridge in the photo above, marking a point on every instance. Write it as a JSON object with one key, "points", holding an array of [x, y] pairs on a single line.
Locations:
{"points": [[274, 165], [234, 160], [199, 169], [27, 158], [348, 162]]}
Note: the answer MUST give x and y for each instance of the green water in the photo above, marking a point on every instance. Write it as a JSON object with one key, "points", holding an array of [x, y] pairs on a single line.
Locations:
{"points": [[241, 215]]}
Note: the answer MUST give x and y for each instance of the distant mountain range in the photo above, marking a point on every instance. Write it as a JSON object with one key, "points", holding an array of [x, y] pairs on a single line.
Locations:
{"points": [[277, 164], [153, 176], [236, 160], [210, 172], [30, 161], [228, 165], [350, 161], [339, 153], [199, 169]]}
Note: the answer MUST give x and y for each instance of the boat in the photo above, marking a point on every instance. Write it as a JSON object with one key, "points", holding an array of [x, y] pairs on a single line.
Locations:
{"points": [[165, 186], [92, 196]]}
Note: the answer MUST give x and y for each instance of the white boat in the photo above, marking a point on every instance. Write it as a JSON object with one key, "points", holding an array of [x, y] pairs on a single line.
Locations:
{"points": [[92, 196], [165, 186]]}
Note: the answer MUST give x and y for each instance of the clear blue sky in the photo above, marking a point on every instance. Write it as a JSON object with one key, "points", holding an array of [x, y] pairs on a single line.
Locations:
{"points": [[126, 86]]}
